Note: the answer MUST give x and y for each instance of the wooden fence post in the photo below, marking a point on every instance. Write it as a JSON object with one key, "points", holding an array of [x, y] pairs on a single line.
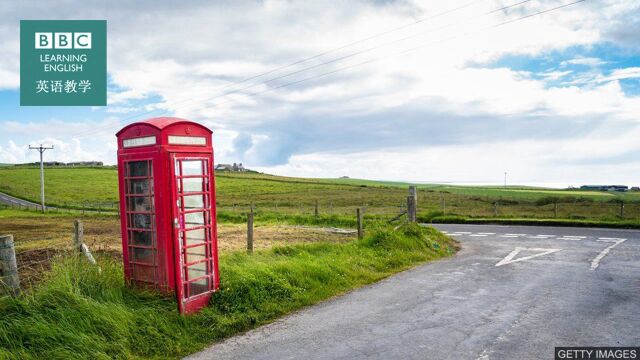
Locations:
{"points": [[621, 209], [315, 210], [495, 209], [9, 280], [411, 209], [250, 231], [555, 208], [359, 223], [78, 242], [413, 191], [78, 235]]}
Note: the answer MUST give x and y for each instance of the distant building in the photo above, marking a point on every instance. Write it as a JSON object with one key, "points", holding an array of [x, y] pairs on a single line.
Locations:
{"points": [[635, 188], [344, 177], [229, 167], [604, 187], [85, 163], [76, 163]]}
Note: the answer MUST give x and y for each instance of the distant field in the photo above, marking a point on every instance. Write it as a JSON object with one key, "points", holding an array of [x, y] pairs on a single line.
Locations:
{"points": [[77, 187]]}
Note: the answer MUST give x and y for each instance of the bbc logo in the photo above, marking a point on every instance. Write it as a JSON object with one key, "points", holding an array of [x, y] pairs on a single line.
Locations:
{"points": [[63, 40]]}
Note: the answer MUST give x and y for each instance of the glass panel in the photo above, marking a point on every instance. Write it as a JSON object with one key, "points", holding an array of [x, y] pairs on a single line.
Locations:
{"points": [[199, 287], [192, 167], [143, 273], [144, 238], [194, 219], [140, 221], [192, 184], [139, 186], [197, 270], [195, 236], [195, 254], [138, 168], [142, 255], [194, 201], [140, 203]]}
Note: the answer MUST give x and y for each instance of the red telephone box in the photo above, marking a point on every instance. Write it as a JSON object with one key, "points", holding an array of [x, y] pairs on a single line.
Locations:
{"points": [[167, 207]]}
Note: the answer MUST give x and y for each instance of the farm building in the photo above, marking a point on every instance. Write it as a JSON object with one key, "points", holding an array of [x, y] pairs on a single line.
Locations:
{"points": [[604, 187]]}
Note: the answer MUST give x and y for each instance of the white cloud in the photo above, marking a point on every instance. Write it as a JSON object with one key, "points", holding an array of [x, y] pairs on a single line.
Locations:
{"points": [[188, 56], [588, 61]]}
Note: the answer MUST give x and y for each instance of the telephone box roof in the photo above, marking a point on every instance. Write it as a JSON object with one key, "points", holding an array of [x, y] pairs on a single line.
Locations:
{"points": [[161, 123]]}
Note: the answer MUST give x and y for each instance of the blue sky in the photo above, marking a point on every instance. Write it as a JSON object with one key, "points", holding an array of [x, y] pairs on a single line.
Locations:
{"points": [[553, 99]]}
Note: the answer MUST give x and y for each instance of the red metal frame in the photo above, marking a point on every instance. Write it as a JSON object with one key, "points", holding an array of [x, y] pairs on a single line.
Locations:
{"points": [[167, 211]]}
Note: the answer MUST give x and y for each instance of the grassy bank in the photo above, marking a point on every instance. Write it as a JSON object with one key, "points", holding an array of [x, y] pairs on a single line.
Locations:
{"points": [[77, 312]]}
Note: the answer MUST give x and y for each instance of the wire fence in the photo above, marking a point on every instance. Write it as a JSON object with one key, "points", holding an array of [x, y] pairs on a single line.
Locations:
{"points": [[380, 204]]}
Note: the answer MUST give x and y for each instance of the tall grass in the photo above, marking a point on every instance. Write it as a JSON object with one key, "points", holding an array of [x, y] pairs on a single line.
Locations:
{"points": [[78, 312]]}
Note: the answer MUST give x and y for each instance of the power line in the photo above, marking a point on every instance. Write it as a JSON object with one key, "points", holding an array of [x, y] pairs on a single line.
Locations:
{"points": [[396, 54], [375, 36], [446, 12], [410, 49]]}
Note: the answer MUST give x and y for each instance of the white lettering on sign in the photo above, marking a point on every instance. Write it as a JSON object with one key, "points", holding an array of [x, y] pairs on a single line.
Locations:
{"points": [[63, 40], [187, 140], [141, 141]]}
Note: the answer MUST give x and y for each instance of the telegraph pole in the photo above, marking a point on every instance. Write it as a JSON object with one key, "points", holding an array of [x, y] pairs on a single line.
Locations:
{"points": [[41, 149], [505, 179]]}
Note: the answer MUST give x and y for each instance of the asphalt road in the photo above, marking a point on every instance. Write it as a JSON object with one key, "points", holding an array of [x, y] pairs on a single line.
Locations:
{"points": [[512, 292], [13, 201]]}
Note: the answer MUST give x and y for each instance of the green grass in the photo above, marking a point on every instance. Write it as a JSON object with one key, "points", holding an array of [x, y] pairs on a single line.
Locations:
{"points": [[78, 312], [77, 187]]}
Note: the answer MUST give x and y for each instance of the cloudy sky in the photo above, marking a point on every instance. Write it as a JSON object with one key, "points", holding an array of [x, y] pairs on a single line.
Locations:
{"points": [[430, 91]]}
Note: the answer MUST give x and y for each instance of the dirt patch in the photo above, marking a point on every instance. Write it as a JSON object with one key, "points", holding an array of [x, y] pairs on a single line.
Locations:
{"points": [[39, 239]]}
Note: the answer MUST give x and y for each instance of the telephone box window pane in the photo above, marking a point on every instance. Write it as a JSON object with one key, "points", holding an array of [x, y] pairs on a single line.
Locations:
{"points": [[197, 270], [138, 168], [144, 238], [195, 254], [192, 184], [194, 202], [199, 286], [194, 219], [143, 255], [191, 167], [139, 186], [143, 273], [140, 203], [141, 221], [195, 236]]}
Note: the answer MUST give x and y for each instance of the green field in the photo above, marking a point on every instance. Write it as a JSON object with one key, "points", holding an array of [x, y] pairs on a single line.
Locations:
{"points": [[97, 188]]}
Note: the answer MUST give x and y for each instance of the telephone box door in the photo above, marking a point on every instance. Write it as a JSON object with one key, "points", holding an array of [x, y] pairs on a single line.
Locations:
{"points": [[194, 230]]}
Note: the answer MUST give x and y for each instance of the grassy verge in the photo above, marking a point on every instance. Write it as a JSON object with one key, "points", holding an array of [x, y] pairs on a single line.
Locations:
{"points": [[77, 312], [232, 217], [618, 224]]}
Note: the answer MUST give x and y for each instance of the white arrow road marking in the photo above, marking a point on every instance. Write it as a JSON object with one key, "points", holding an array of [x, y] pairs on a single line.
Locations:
{"points": [[478, 235], [509, 258], [596, 261]]}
